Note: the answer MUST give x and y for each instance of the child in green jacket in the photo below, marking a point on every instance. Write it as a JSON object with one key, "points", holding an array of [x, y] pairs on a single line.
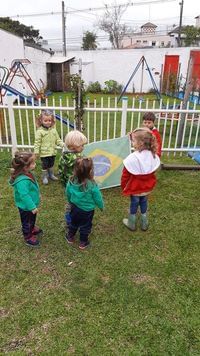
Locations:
{"points": [[84, 196], [26, 195], [46, 140], [74, 142]]}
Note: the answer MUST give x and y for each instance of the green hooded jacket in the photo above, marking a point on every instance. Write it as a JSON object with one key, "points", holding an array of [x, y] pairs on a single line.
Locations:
{"points": [[86, 198], [26, 192], [46, 140]]}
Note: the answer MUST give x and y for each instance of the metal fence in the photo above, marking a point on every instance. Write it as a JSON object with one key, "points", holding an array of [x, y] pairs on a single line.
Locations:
{"points": [[103, 119]]}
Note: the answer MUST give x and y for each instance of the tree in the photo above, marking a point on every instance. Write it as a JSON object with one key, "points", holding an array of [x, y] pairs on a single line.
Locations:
{"points": [[26, 32], [111, 23], [78, 94], [89, 40], [192, 35]]}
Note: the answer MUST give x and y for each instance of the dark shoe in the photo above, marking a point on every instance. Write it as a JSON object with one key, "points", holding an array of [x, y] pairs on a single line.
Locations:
{"points": [[70, 239], [36, 230], [32, 241], [84, 245]]}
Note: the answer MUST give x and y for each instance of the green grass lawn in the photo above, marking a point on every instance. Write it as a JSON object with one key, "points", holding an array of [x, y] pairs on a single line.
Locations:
{"points": [[131, 293]]}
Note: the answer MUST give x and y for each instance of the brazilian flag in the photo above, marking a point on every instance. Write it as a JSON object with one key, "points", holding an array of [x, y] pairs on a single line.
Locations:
{"points": [[108, 159]]}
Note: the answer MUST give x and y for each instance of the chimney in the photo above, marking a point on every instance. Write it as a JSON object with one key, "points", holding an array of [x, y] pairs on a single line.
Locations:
{"points": [[197, 18]]}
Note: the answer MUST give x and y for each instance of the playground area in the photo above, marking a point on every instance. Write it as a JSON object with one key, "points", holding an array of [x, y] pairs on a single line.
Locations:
{"points": [[107, 116], [131, 293]]}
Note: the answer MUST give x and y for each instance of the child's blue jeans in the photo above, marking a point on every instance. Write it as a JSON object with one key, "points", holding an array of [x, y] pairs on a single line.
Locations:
{"points": [[28, 222], [81, 220], [68, 213], [138, 201]]}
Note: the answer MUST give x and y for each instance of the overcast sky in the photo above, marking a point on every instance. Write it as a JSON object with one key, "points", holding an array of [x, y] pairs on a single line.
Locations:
{"points": [[163, 14]]}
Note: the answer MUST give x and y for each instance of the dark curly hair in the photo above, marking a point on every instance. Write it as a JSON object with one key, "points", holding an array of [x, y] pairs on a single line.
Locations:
{"points": [[150, 116], [83, 171], [20, 163]]}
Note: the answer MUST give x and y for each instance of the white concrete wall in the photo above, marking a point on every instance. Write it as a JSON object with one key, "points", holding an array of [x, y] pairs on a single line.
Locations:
{"points": [[37, 67], [120, 64], [12, 47], [103, 64]]}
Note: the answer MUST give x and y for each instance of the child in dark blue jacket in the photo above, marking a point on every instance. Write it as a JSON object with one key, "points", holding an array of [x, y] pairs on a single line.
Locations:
{"points": [[84, 196]]}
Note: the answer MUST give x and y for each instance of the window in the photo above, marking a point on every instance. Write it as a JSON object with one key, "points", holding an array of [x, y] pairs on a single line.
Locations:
{"points": [[138, 41], [153, 43], [144, 41]]}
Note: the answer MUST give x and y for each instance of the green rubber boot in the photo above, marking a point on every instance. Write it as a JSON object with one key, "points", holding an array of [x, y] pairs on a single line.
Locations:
{"points": [[130, 223], [51, 174], [45, 177], [144, 222]]}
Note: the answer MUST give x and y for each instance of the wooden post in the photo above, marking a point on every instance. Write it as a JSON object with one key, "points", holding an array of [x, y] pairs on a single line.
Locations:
{"points": [[12, 124], [188, 88], [124, 115], [161, 78], [178, 79], [168, 80]]}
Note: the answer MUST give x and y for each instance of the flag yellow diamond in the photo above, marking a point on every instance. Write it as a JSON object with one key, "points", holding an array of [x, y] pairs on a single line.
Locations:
{"points": [[105, 164]]}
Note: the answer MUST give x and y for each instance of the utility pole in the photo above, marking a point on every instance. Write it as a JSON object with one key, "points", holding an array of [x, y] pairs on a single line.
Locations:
{"points": [[180, 23], [63, 29]]}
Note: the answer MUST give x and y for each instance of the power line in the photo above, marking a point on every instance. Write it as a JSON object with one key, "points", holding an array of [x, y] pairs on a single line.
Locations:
{"points": [[105, 7], [76, 39]]}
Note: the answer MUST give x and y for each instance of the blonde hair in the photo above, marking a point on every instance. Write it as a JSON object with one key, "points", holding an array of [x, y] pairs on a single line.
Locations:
{"points": [[45, 113], [144, 140], [20, 163], [75, 138]]}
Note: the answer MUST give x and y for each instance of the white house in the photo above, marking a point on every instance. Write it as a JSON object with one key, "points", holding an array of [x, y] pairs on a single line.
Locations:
{"points": [[147, 37], [197, 18], [174, 34]]}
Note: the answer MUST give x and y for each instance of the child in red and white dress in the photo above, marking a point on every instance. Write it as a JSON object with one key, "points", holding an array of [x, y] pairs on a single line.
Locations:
{"points": [[138, 176]]}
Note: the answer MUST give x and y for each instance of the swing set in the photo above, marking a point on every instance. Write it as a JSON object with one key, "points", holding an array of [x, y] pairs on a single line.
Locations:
{"points": [[18, 70], [142, 63]]}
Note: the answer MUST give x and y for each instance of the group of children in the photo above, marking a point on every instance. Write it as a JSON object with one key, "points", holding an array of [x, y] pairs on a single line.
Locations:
{"points": [[77, 175]]}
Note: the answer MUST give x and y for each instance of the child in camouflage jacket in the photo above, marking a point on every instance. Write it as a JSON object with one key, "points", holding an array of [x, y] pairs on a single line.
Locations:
{"points": [[74, 142]]}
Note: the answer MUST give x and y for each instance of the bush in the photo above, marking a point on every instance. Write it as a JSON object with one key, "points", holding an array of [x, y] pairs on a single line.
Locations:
{"points": [[94, 87], [112, 87]]}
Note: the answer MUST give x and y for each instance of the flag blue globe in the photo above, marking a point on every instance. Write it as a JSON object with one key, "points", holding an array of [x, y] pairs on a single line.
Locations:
{"points": [[102, 165]]}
